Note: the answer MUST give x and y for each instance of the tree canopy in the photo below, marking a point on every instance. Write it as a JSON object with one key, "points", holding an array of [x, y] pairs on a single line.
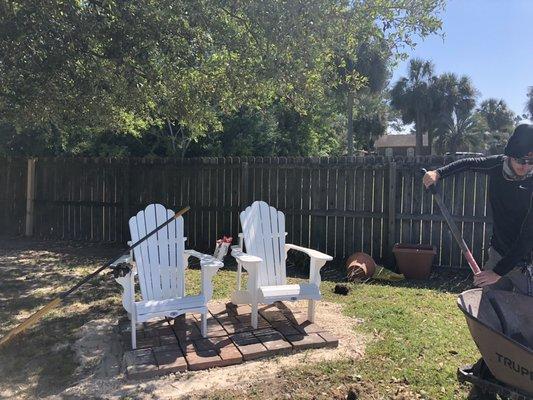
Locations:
{"points": [[444, 107], [413, 97], [454, 101], [98, 66]]}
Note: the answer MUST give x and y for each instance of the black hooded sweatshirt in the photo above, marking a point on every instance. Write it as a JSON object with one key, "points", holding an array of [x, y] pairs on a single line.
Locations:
{"points": [[512, 209]]}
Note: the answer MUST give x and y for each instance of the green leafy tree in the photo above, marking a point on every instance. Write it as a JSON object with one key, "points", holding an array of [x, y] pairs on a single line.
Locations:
{"points": [[412, 96], [364, 76], [453, 103], [496, 122], [181, 66], [371, 119], [497, 114], [276, 131], [457, 131]]}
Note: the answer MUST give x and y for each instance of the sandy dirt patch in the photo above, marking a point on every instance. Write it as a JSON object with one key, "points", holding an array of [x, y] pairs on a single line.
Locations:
{"points": [[101, 371]]}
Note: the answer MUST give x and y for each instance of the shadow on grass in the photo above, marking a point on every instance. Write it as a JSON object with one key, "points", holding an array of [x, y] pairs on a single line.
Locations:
{"points": [[442, 279], [446, 280]]}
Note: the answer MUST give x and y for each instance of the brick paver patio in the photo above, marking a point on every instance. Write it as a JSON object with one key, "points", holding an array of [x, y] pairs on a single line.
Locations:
{"points": [[176, 345]]}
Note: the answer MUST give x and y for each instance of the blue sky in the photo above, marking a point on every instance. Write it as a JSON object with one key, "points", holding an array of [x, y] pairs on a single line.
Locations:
{"points": [[489, 40]]}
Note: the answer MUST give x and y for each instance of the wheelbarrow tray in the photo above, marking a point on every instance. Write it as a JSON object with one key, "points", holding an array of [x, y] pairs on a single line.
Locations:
{"points": [[501, 324]]}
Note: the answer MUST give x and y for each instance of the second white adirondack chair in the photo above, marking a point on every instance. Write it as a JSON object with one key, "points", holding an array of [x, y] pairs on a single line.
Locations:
{"points": [[160, 263], [266, 253]]}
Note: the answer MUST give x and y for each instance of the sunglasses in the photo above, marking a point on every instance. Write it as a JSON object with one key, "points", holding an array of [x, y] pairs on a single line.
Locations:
{"points": [[524, 160]]}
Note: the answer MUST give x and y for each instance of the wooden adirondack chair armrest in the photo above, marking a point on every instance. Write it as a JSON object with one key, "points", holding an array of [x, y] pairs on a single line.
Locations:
{"points": [[206, 260], [209, 266], [127, 282], [130, 259], [317, 255], [246, 260], [127, 259], [318, 260]]}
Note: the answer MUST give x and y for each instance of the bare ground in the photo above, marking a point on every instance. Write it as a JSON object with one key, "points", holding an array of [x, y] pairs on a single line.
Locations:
{"points": [[75, 352], [102, 378]]}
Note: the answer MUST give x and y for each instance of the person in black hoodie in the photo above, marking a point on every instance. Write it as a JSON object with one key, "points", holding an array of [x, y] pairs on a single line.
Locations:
{"points": [[511, 197]]}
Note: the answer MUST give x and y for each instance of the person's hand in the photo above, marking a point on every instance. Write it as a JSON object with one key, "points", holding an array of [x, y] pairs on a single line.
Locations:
{"points": [[485, 278], [431, 178]]}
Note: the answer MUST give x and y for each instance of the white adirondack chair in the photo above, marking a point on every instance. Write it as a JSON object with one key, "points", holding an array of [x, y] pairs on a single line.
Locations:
{"points": [[160, 264], [266, 253]]}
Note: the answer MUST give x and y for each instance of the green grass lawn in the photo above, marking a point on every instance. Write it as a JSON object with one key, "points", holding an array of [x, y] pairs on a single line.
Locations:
{"points": [[417, 335], [419, 339], [420, 335]]}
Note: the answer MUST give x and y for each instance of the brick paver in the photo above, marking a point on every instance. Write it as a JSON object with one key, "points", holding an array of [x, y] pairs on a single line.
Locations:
{"points": [[304, 342], [274, 341], [141, 363], [249, 345], [170, 358]]}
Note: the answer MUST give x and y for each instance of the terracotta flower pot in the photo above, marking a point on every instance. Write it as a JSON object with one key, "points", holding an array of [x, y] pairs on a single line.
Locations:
{"points": [[360, 266], [414, 260]]}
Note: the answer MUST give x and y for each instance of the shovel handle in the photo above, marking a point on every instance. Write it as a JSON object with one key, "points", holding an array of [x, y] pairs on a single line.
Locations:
{"points": [[454, 229], [30, 321]]}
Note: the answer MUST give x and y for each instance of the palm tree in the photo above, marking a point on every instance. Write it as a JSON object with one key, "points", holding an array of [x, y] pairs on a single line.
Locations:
{"points": [[412, 96], [456, 130], [370, 62], [454, 100], [495, 121], [497, 114]]}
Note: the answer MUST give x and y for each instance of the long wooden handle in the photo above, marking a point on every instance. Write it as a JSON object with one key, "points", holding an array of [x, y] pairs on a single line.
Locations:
{"points": [[454, 229], [178, 214], [30, 320], [54, 303]]}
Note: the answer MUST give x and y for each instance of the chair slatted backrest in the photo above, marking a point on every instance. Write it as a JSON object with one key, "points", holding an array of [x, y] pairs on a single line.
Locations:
{"points": [[159, 259], [264, 236]]}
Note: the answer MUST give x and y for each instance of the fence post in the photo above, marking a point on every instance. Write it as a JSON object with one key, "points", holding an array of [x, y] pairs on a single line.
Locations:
{"points": [[244, 185], [392, 208], [30, 196], [126, 199]]}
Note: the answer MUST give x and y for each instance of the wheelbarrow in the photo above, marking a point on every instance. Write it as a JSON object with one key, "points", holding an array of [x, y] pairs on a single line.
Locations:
{"points": [[501, 324]]}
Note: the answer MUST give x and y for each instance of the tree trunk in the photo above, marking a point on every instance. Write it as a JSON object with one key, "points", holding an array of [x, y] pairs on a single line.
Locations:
{"points": [[430, 141], [453, 147], [172, 138], [349, 134], [419, 134]]}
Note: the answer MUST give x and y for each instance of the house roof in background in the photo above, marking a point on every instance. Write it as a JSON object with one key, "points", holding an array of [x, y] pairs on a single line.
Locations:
{"points": [[399, 141]]}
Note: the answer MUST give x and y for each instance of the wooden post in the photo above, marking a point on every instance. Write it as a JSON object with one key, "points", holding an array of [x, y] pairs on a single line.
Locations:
{"points": [[392, 208], [245, 187], [30, 196], [126, 199]]}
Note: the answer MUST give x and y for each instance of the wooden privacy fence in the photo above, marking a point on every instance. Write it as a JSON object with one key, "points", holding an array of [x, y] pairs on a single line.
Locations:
{"points": [[12, 195], [336, 205]]}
